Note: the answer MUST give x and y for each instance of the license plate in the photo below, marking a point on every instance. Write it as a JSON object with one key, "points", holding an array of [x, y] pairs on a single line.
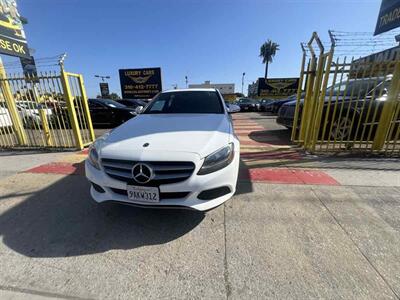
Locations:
{"points": [[246, 108], [143, 193]]}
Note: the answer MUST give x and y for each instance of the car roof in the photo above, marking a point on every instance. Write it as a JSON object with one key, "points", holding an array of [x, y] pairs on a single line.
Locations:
{"points": [[191, 90]]}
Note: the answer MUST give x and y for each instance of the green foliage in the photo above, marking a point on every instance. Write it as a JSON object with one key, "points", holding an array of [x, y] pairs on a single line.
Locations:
{"points": [[268, 51]]}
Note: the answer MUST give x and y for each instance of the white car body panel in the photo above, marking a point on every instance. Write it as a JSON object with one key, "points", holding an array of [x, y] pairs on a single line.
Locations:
{"points": [[170, 138], [196, 133], [5, 118]]}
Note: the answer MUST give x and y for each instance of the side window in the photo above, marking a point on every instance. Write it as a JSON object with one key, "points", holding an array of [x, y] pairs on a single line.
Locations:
{"points": [[94, 105], [158, 106]]}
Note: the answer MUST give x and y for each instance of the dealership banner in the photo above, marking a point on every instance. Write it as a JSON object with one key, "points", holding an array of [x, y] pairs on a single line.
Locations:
{"points": [[389, 16], [12, 35], [140, 83], [104, 89], [376, 64], [277, 87], [29, 66]]}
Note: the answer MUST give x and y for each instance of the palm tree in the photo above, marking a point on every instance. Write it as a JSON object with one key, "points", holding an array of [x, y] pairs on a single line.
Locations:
{"points": [[267, 52]]}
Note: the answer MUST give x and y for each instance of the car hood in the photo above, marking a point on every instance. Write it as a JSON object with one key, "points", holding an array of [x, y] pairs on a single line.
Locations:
{"points": [[195, 133]]}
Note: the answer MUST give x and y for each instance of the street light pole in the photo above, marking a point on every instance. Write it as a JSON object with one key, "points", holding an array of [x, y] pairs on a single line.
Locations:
{"points": [[102, 77], [243, 80], [186, 80]]}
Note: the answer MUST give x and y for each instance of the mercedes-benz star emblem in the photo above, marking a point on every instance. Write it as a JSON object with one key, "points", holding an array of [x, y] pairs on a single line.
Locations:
{"points": [[142, 173]]}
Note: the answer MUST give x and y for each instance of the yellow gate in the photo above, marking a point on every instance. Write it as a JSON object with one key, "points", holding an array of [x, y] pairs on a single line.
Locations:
{"points": [[46, 111], [347, 105]]}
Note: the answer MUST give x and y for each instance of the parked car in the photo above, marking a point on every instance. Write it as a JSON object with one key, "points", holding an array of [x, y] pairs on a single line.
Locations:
{"points": [[5, 118], [247, 104], [276, 105], [374, 90], [29, 113], [265, 104], [132, 103], [179, 152], [109, 112], [232, 108]]}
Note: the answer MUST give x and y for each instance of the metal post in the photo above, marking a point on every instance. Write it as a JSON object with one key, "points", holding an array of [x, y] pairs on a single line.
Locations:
{"points": [[299, 91], [243, 81], [388, 111], [86, 108], [11, 106], [71, 109]]}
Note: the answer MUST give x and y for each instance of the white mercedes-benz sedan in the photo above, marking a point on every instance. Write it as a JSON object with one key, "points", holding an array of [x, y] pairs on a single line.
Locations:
{"points": [[180, 151]]}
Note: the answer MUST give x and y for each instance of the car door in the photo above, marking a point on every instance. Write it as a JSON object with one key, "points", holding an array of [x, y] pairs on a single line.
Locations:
{"points": [[98, 112]]}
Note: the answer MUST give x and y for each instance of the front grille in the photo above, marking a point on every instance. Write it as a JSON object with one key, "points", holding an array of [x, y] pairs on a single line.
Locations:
{"points": [[163, 196], [164, 172]]}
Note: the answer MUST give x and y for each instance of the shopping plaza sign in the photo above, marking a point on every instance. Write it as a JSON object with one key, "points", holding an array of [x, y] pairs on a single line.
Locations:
{"points": [[389, 16], [12, 35]]}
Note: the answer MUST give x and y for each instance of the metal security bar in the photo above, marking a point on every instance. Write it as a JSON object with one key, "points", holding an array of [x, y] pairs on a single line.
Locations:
{"points": [[45, 111], [347, 105]]}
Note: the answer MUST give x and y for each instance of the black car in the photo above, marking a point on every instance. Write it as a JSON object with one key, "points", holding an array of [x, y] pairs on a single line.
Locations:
{"points": [[109, 112], [132, 103], [276, 105], [247, 104], [266, 104], [345, 100]]}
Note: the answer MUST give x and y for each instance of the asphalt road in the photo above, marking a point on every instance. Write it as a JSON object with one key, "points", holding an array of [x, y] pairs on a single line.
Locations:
{"points": [[269, 241]]}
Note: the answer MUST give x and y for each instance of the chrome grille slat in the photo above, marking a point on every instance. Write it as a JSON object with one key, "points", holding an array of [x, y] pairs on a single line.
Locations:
{"points": [[164, 171], [119, 173], [170, 168], [118, 165], [171, 176]]}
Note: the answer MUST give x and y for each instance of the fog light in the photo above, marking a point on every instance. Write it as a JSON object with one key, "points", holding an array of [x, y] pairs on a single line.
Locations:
{"points": [[98, 188], [214, 193]]}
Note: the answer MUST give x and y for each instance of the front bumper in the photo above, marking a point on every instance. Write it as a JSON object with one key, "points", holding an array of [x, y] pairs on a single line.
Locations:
{"points": [[195, 184]]}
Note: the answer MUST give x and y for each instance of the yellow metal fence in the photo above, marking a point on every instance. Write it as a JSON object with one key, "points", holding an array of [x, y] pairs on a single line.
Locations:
{"points": [[45, 111], [347, 105]]}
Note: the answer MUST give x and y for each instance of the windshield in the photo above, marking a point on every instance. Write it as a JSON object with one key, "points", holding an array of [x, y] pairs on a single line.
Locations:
{"points": [[353, 88], [112, 103], [28, 105], [190, 102], [246, 101]]}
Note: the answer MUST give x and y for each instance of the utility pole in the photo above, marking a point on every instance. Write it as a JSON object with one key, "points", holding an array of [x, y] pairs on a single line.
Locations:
{"points": [[243, 80], [61, 61], [186, 80]]}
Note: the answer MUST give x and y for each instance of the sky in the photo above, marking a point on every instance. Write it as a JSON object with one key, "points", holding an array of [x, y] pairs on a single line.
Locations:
{"points": [[214, 40]]}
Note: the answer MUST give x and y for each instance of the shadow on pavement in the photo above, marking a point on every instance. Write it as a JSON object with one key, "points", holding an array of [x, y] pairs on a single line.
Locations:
{"points": [[273, 137], [62, 220], [244, 184]]}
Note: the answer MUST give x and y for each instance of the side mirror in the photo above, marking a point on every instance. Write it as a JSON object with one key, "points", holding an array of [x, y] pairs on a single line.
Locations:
{"points": [[139, 109]]}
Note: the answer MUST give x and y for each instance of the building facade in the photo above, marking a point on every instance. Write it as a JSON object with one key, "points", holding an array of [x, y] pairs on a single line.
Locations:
{"points": [[224, 88]]}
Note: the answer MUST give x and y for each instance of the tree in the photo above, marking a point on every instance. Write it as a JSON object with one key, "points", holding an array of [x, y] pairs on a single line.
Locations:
{"points": [[114, 96], [267, 53]]}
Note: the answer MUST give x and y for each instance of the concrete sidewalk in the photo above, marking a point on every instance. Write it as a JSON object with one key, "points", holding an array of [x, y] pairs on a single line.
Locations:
{"points": [[269, 241]]}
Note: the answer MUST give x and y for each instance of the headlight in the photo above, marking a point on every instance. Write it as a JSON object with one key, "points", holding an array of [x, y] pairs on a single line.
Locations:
{"points": [[217, 160], [94, 157]]}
